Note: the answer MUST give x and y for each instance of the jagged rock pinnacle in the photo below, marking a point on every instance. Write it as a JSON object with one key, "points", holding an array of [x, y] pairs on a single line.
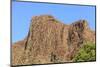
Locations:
{"points": [[50, 41]]}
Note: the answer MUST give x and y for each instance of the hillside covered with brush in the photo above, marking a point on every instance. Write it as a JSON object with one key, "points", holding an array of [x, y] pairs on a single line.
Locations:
{"points": [[50, 41]]}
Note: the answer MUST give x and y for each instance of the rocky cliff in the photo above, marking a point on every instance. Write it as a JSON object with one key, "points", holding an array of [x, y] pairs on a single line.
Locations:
{"points": [[50, 41]]}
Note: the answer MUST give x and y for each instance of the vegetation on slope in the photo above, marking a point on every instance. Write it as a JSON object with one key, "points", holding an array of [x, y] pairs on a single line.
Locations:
{"points": [[86, 53]]}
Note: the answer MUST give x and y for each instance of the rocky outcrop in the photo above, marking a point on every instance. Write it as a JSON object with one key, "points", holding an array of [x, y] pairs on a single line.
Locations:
{"points": [[50, 41]]}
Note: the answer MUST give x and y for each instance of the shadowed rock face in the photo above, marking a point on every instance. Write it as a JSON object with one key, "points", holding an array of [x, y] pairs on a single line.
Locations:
{"points": [[50, 41]]}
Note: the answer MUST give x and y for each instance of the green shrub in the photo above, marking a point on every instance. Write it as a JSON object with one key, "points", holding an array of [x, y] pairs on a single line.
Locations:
{"points": [[86, 53]]}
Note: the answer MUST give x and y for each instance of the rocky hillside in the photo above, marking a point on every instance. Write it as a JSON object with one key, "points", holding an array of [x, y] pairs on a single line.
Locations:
{"points": [[50, 41]]}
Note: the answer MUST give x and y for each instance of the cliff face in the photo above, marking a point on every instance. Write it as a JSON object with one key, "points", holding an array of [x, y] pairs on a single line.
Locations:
{"points": [[50, 41]]}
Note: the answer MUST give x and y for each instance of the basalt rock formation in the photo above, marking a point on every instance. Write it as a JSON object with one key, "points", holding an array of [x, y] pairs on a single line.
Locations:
{"points": [[50, 41]]}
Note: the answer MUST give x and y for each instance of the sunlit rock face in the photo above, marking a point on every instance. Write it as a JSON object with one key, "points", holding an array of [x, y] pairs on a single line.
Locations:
{"points": [[50, 41]]}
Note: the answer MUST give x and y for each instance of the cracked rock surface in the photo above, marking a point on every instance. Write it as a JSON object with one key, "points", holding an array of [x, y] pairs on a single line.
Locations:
{"points": [[50, 41]]}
